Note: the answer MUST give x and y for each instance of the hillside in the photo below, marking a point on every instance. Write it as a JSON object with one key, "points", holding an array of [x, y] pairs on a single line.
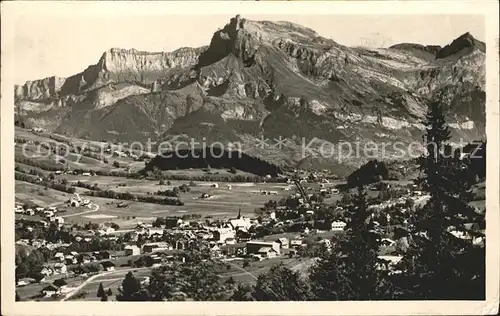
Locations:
{"points": [[261, 79]]}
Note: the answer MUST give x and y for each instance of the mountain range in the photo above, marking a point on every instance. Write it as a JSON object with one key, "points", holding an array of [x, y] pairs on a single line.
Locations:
{"points": [[260, 80]]}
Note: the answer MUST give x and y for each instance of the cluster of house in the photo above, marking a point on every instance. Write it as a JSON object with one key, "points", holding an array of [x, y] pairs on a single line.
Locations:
{"points": [[58, 264], [73, 257], [77, 201], [224, 239], [281, 211], [267, 192], [256, 249], [49, 269], [471, 232], [39, 215], [37, 130]]}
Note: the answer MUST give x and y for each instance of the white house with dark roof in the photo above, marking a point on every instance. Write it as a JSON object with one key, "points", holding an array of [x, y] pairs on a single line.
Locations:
{"points": [[51, 290], [267, 252], [59, 256], [254, 246], [132, 250], [154, 231], [284, 243], [338, 226], [222, 234], [108, 266]]}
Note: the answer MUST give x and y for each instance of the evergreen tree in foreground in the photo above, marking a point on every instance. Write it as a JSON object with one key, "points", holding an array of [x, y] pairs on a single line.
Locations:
{"points": [[281, 284], [444, 266], [100, 291], [131, 290], [104, 297], [349, 271]]}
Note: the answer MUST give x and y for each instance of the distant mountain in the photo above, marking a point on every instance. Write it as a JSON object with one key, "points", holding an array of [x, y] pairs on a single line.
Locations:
{"points": [[261, 79]]}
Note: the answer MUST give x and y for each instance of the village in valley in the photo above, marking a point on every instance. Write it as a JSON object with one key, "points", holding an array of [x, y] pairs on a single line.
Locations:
{"points": [[71, 241]]}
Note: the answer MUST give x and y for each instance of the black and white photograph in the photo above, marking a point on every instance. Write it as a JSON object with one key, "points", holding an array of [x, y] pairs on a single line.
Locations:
{"points": [[249, 154]]}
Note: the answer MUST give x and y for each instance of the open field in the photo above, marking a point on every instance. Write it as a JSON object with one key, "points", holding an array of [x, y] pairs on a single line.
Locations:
{"points": [[249, 274], [29, 291], [112, 280], [33, 149], [224, 202], [32, 291], [246, 196], [72, 160], [27, 192]]}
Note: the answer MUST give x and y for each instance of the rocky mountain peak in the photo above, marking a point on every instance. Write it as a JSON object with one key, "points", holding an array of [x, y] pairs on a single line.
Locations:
{"points": [[242, 38]]}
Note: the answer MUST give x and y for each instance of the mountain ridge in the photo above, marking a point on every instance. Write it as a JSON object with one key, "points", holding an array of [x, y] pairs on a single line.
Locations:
{"points": [[265, 79]]}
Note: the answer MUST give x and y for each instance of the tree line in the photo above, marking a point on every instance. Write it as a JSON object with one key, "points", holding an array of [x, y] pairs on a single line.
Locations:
{"points": [[48, 184], [371, 172], [212, 157]]}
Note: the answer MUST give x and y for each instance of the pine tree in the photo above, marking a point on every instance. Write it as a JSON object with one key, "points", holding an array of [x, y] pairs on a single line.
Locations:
{"points": [[281, 284], [100, 290], [349, 271], [131, 290], [442, 265], [104, 297], [242, 293], [230, 281], [203, 282]]}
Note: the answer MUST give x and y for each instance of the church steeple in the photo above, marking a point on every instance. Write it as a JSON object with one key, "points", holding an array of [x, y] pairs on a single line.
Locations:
{"points": [[239, 214]]}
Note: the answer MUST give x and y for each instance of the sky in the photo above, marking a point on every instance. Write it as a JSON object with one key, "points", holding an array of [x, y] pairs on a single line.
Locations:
{"points": [[63, 45]]}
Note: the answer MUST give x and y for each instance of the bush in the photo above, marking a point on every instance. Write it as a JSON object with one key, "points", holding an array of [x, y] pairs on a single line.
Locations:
{"points": [[371, 172], [168, 193]]}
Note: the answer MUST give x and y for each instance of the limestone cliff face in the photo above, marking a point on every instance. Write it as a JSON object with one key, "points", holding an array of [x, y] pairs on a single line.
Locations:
{"points": [[115, 66], [119, 65], [40, 89]]}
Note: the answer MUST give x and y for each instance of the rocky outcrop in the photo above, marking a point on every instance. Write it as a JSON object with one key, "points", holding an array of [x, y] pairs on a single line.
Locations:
{"points": [[465, 42], [40, 89]]}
